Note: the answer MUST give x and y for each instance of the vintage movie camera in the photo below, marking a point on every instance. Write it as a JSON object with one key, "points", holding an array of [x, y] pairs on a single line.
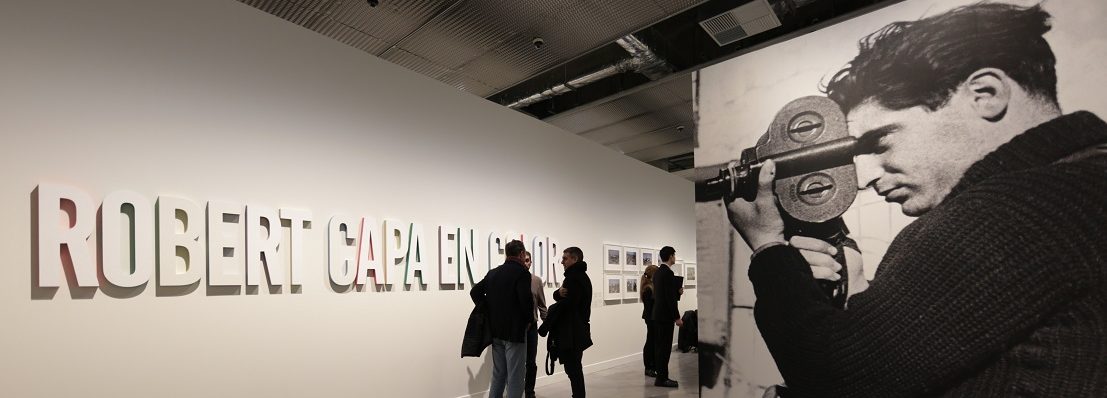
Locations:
{"points": [[815, 182]]}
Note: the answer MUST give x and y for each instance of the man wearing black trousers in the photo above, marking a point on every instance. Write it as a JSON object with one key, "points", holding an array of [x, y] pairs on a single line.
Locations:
{"points": [[573, 332], [649, 350], [666, 292]]}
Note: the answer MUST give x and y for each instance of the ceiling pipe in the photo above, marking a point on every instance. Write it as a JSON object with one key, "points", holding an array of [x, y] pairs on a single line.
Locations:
{"points": [[642, 60], [650, 63]]}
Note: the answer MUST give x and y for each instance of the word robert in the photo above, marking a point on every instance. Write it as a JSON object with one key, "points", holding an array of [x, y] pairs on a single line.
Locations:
{"points": [[134, 236], [237, 244]]}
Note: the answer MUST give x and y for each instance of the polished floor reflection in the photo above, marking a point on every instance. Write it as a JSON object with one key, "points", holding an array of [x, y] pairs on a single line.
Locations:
{"points": [[629, 381]]}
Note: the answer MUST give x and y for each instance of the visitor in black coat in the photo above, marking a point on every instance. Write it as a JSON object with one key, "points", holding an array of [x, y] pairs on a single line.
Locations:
{"points": [[649, 350], [666, 292], [572, 331], [506, 289]]}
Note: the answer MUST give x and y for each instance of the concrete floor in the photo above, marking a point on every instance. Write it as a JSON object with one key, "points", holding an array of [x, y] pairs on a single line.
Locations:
{"points": [[629, 381]]}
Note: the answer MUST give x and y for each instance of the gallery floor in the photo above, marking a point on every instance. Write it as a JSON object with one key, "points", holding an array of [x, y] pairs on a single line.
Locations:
{"points": [[629, 381]]}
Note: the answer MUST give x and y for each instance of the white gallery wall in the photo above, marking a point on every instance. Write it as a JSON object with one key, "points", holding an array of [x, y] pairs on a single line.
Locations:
{"points": [[215, 101]]}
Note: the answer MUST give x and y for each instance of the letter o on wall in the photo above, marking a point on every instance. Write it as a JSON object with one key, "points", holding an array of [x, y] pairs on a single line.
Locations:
{"points": [[135, 266]]}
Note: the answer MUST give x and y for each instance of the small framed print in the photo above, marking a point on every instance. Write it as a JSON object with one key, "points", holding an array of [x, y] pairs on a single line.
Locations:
{"points": [[613, 289], [649, 257], [690, 275], [630, 287], [613, 258], [678, 267], [632, 263]]}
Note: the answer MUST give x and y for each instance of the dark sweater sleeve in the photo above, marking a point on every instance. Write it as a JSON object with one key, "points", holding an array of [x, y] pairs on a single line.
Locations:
{"points": [[557, 292], [479, 290], [956, 288]]}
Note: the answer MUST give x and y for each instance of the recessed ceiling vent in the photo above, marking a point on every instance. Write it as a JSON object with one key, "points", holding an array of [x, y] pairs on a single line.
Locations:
{"points": [[742, 22]]}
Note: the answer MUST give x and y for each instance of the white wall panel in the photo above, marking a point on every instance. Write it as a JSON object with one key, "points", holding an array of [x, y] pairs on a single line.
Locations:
{"points": [[213, 100]]}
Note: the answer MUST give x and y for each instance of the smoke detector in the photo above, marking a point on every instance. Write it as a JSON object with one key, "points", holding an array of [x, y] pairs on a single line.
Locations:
{"points": [[747, 20]]}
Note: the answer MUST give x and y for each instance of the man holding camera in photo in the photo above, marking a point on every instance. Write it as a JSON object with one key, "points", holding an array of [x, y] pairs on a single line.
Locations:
{"points": [[999, 288]]}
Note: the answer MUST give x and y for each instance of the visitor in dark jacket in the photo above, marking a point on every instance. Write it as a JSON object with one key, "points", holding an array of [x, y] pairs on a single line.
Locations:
{"points": [[506, 289], [572, 331], [645, 293], [666, 292]]}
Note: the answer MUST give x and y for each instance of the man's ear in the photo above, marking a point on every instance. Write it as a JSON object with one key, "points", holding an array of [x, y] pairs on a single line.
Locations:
{"points": [[990, 92]]}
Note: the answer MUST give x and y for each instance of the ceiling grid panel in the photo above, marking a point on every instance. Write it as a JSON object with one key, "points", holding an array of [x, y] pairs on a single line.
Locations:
{"points": [[461, 34], [390, 21], [300, 12]]}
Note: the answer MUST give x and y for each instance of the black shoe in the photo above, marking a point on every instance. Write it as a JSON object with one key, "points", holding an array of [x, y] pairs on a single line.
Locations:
{"points": [[666, 383], [651, 373]]}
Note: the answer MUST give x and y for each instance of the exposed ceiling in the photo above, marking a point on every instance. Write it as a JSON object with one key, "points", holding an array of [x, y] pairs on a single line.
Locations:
{"points": [[640, 54], [650, 124], [480, 46]]}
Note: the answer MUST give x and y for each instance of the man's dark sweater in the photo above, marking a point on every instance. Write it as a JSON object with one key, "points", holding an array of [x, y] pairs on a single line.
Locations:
{"points": [[997, 292]]}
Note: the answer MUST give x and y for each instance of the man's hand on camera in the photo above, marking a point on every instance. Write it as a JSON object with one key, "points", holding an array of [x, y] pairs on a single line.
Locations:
{"points": [[758, 221], [820, 255]]}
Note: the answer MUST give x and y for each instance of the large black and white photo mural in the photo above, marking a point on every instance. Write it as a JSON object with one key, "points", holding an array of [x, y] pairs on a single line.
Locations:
{"points": [[912, 202]]}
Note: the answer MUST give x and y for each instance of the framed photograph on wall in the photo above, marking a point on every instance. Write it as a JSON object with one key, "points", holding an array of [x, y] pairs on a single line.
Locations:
{"points": [[678, 267], [632, 261], [690, 275], [649, 257], [630, 287], [613, 287], [613, 258]]}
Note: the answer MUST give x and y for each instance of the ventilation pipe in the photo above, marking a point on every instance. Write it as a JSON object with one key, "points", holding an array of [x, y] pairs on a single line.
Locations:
{"points": [[642, 60]]}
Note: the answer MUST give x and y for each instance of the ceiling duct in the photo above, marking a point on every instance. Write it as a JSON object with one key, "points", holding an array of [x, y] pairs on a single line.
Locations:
{"points": [[742, 22], [642, 60]]}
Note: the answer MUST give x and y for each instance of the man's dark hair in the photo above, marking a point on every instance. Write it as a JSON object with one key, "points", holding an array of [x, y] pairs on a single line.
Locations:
{"points": [[575, 252], [514, 248], [667, 253], [907, 64]]}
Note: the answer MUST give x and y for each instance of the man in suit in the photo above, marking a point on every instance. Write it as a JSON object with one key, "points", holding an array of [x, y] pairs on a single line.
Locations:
{"points": [[510, 308], [573, 332], [666, 292]]}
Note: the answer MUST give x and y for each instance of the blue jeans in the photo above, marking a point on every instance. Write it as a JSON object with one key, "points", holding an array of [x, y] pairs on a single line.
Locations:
{"points": [[507, 368]]}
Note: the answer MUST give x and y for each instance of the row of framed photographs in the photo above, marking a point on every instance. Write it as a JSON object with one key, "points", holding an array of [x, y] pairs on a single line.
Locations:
{"points": [[621, 287], [628, 259], [618, 259], [624, 286]]}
